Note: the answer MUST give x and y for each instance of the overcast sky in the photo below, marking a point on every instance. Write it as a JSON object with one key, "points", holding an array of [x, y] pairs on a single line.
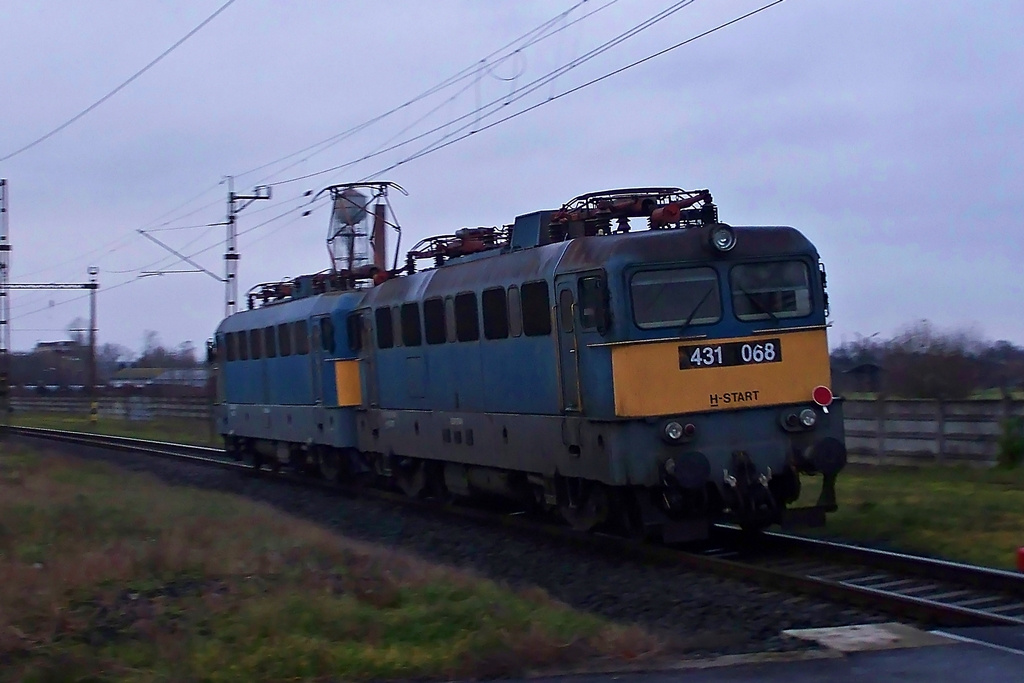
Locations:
{"points": [[891, 133]]}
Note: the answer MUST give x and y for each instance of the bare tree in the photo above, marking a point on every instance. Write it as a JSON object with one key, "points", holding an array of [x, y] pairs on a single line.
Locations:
{"points": [[78, 331], [923, 361]]}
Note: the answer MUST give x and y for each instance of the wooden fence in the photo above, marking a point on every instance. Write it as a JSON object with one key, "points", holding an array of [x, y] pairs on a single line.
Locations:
{"points": [[120, 407], [902, 431], [881, 432]]}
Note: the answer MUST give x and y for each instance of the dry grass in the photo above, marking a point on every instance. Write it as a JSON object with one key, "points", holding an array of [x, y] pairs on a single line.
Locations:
{"points": [[106, 575], [177, 430], [958, 513]]}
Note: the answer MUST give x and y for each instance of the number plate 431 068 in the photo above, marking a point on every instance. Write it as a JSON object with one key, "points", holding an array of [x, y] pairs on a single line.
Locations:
{"points": [[732, 353]]}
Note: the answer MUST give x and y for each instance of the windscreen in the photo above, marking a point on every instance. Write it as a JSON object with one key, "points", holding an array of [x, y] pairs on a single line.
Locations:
{"points": [[770, 291], [676, 297]]}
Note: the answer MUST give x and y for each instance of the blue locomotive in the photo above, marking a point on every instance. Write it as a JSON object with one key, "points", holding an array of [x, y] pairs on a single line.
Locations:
{"points": [[626, 360]]}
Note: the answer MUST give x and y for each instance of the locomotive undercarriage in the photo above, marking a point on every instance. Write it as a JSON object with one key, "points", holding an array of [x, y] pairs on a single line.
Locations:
{"points": [[616, 475], [674, 511]]}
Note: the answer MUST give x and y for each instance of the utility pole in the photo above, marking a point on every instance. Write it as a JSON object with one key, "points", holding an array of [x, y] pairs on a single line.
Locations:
{"points": [[93, 403], [236, 202], [5, 314], [5, 311]]}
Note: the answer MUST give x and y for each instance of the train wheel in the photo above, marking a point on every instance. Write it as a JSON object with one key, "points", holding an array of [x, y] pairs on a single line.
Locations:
{"points": [[329, 464], [626, 517], [252, 458], [588, 508], [411, 478]]}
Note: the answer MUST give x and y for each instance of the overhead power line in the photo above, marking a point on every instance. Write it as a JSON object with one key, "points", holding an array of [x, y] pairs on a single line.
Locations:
{"points": [[441, 144], [507, 99], [121, 87], [434, 147], [542, 31], [444, 142], [522, 42]]}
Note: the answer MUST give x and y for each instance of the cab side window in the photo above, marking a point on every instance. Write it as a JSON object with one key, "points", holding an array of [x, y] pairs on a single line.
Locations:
{"points": [[327, 335], [467, 325], [243, 345], [593, 306], [255, 344], [301, 338], [411, 334], [536, 304], [495, 310], [433, 320], [354, 327], [385, 329]]}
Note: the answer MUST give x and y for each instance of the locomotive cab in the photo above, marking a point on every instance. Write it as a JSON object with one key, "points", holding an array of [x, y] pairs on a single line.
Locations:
{"points": [[701, 355]]}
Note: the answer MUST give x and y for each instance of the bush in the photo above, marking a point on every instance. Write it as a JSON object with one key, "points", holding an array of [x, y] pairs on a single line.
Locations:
{"points": [[1011, 442]]}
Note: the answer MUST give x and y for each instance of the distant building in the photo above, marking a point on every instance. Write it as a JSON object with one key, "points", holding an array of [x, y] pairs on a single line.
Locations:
{"points": [[64, 346], [183, 377], [865, 378], [135, 378]]}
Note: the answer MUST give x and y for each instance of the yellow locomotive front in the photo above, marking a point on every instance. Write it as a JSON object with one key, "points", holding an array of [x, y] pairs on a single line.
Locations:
{"points": [[710, 379]]}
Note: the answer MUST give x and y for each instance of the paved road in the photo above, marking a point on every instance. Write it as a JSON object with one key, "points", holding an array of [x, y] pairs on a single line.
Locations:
{"points": [[978, 655]]}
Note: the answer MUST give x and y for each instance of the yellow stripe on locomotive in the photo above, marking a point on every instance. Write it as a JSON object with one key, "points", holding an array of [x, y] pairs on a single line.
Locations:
{"points": [[673, 377], [346, 377]]}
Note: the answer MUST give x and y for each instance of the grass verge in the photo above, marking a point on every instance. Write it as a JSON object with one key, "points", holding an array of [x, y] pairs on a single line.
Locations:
{"points": [[111, 576], [957, 513], [964, 514], [190, 431]]}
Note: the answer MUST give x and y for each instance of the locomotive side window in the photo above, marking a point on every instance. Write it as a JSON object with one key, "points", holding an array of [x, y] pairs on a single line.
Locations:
{"points": [[229, 346], [354, 327], [385, 331], [270, 341], [565, 309], [467, 325], [301, 338], [675, 298], [593, 303], [411, 334], [536, 309], [449, 318], [495, 310], [327, 335], [243, 345], [284, 339], [433, 320], [762, 291], [396, 325], [255, 344], [515, 312]]}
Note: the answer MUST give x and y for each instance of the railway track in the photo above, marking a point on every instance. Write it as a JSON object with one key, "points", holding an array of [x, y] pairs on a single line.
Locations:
{"points": [[926, 590]]}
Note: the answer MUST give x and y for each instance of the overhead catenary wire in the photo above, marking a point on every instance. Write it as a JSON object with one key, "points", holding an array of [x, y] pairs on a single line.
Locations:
{"points": [[504, 100], [539, 83], [525, 40], [446, 143], [431, 149], [120, 87]]}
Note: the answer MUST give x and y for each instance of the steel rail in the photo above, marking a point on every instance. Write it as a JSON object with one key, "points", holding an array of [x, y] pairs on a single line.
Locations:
{"points": [[924, 589]]}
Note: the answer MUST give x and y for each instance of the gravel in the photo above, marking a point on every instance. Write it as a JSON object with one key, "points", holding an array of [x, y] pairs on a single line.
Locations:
{"points": [[704, 614]]}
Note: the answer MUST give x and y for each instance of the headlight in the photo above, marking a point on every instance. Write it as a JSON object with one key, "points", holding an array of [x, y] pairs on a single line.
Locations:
{"points": [[673, 431], [723, 238], [808, 417]]}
